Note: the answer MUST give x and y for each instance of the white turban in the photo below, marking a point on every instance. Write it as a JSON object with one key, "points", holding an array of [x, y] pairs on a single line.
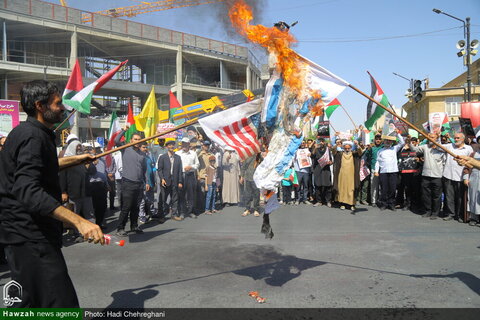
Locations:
{"points": [[350, 143]]}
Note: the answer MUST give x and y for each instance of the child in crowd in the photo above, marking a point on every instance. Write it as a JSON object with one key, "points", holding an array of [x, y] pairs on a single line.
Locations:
{"points": [[288, 181], [211, 186]]}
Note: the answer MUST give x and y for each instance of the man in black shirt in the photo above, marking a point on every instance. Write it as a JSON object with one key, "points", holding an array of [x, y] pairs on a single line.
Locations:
{"points": [[31, 213]]}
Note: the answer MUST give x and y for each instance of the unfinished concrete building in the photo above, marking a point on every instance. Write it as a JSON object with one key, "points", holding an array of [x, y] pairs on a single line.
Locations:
{"points": [[42, 40]]}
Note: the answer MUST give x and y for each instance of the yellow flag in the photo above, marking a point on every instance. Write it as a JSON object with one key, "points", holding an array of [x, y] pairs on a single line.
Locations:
{"points": [[147, 120]]}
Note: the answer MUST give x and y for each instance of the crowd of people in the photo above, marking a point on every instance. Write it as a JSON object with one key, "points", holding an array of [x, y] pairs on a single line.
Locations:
{"points": [[42, 192], [185, 179]]}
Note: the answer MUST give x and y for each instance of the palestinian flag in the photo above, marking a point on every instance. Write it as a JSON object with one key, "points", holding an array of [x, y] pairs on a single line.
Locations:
{"points": [[378, 95], [132, 128], [174, 105], [74, 85], [331, 107], [446, 124], [81, 101], [113, 132]]}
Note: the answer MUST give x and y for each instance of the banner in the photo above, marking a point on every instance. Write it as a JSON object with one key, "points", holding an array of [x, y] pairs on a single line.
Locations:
{"points": [[9, 116], [304, 159], [471, 110], [161, 127]]}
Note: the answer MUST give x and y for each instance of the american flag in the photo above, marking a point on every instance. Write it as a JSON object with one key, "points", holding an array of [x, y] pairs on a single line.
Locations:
{"points": [[233, 128]]}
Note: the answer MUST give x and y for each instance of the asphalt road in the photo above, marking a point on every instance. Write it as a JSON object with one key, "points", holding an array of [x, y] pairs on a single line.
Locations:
{"points": [[320, 257]]}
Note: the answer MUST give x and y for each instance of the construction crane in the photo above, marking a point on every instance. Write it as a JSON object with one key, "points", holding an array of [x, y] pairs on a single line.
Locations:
{"points": [[146, 7], [63, 3]]}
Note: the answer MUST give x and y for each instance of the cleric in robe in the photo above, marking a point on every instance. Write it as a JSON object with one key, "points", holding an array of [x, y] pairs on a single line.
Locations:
{"points": [[346, 174]]}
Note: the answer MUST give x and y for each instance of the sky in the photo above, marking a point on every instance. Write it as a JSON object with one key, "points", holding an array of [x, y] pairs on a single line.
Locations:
{"points": [[348, 37]]}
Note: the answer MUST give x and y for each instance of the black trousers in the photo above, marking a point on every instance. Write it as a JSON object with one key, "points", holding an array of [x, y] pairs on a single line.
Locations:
{"points": [[406, 195], [200, 196], [252, 196], [388, 187], [40, 269], [453, 198], [432, 194], [99, 201], [323, 194], [118, 189], [187, 194], [132, 193], [172, 192], [287, 193], [112, 193]]}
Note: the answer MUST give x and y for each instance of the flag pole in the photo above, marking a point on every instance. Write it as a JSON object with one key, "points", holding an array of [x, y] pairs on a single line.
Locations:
{"points": [[405, 121], [348, 115], [186, 124], [65, 120]]}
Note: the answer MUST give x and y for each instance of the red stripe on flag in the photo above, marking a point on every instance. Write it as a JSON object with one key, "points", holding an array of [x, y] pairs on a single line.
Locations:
{"points": [[231, 135], [248, 142], [219, 134], [247, 125]]}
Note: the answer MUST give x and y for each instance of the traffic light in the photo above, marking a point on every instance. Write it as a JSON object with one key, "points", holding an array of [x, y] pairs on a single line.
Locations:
{"points": [[417, 90]]}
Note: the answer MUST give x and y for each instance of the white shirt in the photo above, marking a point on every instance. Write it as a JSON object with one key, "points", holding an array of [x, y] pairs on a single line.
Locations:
{"points": [[387, 161], [452, 170], [189, 159]]}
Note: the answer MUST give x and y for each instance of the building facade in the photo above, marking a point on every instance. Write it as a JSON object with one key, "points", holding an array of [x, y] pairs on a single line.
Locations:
{"points": [[447, 98], [43, 40]]}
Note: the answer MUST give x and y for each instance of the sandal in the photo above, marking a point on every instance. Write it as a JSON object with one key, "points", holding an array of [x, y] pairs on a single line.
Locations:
{"points": [[246, 213], [209, 212], [256, 214]]}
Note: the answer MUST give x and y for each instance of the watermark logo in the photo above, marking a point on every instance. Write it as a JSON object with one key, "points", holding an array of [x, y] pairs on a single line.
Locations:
{"points": [[12, 293]]}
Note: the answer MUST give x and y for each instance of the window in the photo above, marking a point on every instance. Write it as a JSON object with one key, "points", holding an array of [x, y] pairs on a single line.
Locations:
{"points": [[452, 105]]}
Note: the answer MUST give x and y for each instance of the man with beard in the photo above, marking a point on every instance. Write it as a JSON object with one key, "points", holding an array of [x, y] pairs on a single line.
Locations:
{"points": [[322, 176], [431, 177], [453, 189], [346, 177], [31, 213]]}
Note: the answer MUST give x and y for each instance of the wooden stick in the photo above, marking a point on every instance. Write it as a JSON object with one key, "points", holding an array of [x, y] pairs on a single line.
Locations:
{"points": [[348, 115], [186, 124], [404, 120], [65, 120]]}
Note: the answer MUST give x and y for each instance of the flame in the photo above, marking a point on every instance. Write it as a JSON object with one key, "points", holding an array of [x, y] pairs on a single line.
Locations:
{"points": [[276, 41]]}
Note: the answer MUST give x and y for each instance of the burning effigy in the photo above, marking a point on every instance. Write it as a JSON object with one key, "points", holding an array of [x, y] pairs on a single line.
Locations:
{"points": [[296, 93]]}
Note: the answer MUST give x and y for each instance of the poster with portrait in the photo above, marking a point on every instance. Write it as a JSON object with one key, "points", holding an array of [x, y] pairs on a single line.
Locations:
{"points": [[304, 159], [436, 120], [9, 116]]}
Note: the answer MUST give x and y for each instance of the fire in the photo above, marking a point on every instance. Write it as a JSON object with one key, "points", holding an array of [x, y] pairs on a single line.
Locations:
{"points": [[276, 41]]}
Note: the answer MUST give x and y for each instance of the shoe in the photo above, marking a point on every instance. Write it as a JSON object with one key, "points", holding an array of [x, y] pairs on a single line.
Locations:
{"points": [[177, 218], [209, 213], [460, 221], [307, 202], [433, 218], [316, 204], [426, 215], [382, 208], [448, 218], [329, 205], [374, 205], [142, 220], [472, 223], [352, 210], [342, 207], [137, 230], [256, 213], [246, 213], [363, 203], [121, 233]]}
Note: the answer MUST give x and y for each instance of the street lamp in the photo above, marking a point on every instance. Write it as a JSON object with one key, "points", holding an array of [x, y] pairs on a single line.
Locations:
{"points": [[469, 47]]}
